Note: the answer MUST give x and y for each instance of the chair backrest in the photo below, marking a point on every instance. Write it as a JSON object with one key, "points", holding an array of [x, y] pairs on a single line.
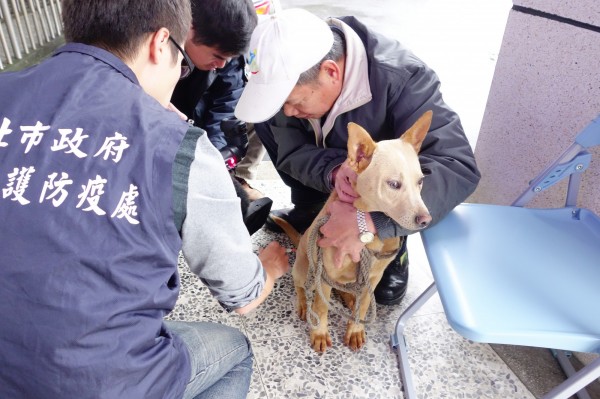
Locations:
{"points": [[520, 276], [572, 163], [590, 136]]}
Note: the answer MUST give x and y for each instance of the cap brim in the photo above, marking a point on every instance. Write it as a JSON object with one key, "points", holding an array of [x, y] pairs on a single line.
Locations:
{"points": [[260, 101]]}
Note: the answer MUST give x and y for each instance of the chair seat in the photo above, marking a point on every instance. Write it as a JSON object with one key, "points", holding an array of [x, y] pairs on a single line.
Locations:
{"points": [[482, 253]]}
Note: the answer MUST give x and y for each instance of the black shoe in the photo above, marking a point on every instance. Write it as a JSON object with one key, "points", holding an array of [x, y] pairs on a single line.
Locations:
{"points": [[300, 217], [257, 213], [392, 287]]}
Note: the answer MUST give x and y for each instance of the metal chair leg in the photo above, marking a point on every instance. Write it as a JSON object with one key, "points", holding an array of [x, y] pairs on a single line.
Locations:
{"points": [[398, 340], [564, 360], [576, 382]]}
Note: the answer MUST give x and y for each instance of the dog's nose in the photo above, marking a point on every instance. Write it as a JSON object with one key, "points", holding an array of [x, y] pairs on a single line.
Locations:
{"points": [[423, 220]]}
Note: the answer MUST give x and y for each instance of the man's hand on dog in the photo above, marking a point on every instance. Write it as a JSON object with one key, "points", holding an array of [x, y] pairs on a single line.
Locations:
{"points": [[341, 232], [344, 179]]}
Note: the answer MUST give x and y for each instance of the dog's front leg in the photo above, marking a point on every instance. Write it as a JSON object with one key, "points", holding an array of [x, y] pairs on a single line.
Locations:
{"points": [[319, 336], [356, 336]]}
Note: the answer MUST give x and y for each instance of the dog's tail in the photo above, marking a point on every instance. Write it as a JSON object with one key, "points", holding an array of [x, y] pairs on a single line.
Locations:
{"points": [[287, 229]]}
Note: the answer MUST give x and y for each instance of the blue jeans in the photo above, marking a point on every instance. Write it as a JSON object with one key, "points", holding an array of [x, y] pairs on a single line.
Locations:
{"points": [[221, 359]]}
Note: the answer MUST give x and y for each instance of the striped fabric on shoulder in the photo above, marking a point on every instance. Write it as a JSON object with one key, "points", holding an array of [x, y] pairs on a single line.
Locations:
{"points": [[181, 173]]}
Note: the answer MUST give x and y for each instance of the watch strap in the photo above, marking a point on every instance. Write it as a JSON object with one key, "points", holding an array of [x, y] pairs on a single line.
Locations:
{"points": [[364, 234], [362, 221]]}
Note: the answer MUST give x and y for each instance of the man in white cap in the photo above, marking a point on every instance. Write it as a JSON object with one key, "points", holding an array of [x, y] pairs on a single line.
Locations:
{"points": [[309, 79]]}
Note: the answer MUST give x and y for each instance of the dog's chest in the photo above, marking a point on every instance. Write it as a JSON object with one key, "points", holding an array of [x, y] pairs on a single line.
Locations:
{"points": [[349, 272]]}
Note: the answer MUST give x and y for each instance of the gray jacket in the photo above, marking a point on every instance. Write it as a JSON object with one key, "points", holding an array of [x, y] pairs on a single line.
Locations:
{"points": [[207, 212], [386, 89]]}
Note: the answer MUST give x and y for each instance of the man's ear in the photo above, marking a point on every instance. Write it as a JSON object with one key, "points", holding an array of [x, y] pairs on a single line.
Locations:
{"points": [[331, 70], [160, 46], [360, 147]]}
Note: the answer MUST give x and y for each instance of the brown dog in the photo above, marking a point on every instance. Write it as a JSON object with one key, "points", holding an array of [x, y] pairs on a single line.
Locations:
{"points": [[390, 181]]}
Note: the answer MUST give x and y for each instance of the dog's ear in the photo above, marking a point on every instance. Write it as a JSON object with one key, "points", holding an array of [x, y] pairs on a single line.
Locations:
{"points": [[360, 147], [416, 134]]}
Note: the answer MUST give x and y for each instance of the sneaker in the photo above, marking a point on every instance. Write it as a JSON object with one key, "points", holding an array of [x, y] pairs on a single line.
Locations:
{"points": [[300, 217], [392, 287], [253, 194]]}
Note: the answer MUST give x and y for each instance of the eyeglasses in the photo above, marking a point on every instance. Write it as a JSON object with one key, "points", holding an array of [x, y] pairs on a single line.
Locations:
{"points": [[187, 66]]}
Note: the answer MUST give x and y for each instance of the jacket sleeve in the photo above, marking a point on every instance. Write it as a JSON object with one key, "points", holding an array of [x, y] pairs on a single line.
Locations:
{"points": [[298, 154], [446, 156], [220, 100], [216, 243]]}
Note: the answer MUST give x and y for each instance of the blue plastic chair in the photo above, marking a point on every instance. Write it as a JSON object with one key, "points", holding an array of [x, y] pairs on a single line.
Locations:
{"points": [[521, 276]]}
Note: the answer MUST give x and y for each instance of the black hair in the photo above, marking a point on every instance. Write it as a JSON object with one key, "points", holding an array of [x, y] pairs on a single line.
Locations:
{"points": [[226, 25], [121, 26]]}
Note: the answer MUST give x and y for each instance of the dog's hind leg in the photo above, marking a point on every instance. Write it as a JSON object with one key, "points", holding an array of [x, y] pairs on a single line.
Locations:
{"points": [[299, 273], [301, 305], [347, 298]]}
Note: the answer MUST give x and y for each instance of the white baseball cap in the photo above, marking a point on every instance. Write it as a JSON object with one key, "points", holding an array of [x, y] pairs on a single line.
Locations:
{"points": [[282, 47]]}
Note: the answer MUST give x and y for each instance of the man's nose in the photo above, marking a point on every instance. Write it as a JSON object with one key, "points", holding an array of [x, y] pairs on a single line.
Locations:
{"points": [[218, 64], [289, 111]]}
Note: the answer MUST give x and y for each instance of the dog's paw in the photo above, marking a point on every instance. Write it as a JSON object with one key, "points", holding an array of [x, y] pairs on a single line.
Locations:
{"points": [[320, 341], [355, 336]]}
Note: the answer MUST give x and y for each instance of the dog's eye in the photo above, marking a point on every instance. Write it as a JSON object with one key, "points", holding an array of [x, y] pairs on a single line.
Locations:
{"points": [[426, 171], [394, 184]]}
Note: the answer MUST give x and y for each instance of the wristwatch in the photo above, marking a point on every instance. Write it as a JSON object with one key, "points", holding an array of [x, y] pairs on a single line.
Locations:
{"points": [[364, 235]]}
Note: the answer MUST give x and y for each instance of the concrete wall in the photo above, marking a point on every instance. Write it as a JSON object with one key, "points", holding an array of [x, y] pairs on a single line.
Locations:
{"points": [[546, 88]]}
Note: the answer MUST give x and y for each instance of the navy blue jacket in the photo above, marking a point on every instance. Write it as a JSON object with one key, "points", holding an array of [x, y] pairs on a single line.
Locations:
{"points": [[88, 255], [208, 97]]}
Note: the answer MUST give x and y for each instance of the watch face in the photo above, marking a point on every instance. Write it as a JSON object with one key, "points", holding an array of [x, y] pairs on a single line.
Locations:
{"points": [[367, 237]]}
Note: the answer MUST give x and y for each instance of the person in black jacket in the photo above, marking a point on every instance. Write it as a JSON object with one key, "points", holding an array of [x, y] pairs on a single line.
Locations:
{"points": [[309, 79], [220, 33]]}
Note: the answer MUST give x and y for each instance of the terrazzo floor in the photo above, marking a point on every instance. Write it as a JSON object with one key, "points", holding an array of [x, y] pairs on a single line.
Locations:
{"points": [[444, 364]]}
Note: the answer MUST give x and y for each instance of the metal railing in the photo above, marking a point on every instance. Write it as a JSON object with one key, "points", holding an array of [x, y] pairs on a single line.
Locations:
{"points": [[26, 25]]}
